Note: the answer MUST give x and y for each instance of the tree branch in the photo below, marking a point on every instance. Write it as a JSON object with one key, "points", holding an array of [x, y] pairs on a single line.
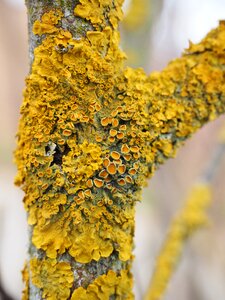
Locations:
{"points": [[171, 105]]}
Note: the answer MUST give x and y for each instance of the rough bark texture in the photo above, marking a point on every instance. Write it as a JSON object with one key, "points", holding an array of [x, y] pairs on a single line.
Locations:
{"points": [[91, 133]]}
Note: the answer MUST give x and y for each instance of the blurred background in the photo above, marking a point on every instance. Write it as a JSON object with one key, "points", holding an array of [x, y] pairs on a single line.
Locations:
{"points": [[163, 29]]}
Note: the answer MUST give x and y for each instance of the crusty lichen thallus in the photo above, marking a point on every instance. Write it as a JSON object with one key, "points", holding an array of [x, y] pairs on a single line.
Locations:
{"points": [[91, 132], [56, 280]]}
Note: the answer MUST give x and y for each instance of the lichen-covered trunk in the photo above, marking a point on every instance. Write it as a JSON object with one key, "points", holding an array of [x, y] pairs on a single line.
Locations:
{"points": [[72, 156], [90, 133]]}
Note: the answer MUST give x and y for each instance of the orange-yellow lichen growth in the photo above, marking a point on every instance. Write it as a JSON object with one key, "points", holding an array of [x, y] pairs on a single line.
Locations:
{"points": [[54, 278], [105, 286], [82, 161], [25, 276], [98, 12], [47, 23], [88, 244]]}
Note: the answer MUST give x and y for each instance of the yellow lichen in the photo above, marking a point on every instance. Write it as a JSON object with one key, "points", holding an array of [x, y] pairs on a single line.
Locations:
{"points": [[98, 11], [25, 275], [87, 241], [105, 286], [47, 23], [82, 161], [54, 278]]}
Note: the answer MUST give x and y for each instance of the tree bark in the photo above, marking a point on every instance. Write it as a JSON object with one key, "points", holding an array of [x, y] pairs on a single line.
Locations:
{"points": [[80, 269], [90, 134]]}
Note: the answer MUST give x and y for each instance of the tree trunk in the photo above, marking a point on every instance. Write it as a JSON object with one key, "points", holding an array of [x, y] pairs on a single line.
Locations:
{"points": [[90, 134], [75, 239]]}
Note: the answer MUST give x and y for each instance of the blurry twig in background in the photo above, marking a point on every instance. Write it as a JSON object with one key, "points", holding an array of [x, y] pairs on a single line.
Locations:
{"points": [[192, 217], [137, 15], [136, 30]]}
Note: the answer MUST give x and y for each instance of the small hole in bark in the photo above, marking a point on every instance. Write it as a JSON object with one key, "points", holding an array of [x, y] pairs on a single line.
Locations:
{"points": [[58, 155]]}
